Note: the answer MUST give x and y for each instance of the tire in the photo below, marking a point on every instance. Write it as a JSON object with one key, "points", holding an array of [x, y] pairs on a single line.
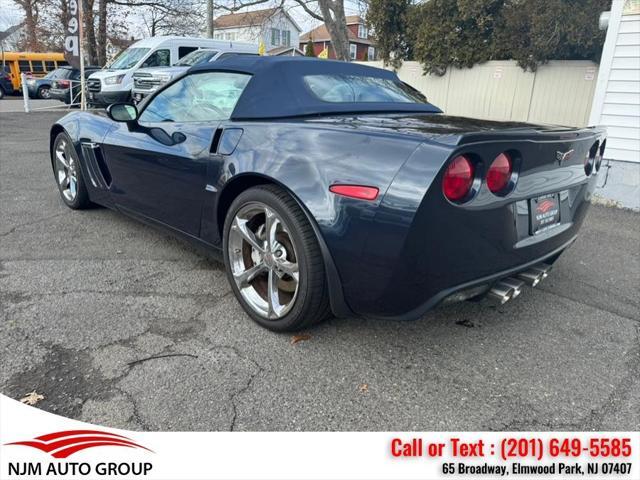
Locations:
{"points": [[68, 172], [292, 250], [43, 92]]}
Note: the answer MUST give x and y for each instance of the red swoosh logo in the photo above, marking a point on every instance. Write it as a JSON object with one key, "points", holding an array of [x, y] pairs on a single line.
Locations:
{"points": [[545, 206], [66, 443]]}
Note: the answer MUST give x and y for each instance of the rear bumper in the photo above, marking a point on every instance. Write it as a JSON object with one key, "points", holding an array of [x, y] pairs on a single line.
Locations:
{"points": [[487, 281], [59, 94]]}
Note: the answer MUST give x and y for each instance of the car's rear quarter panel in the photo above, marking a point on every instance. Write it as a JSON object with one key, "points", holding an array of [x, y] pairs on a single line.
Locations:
{"points": [[423, 246]]}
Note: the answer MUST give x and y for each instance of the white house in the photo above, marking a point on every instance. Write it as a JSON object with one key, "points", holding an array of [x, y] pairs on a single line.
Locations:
{"points": [[272, 26], [616, 102]]}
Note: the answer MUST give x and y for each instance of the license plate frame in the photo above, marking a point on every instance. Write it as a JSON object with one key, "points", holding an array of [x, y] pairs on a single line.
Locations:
{"points": [[544, 212]]}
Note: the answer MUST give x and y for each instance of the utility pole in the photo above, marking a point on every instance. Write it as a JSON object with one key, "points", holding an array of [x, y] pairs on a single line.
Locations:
{"points": [[209, 18]]}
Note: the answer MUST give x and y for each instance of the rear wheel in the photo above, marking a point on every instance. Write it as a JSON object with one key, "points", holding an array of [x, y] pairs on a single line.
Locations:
{"points": [[273, 260], [44, 93], [66, 168]]}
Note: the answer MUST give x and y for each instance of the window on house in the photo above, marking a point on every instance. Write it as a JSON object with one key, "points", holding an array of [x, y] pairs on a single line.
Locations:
{"points": [[286, 38], [218, 36], [362, 31], [353, 51], [275, 37], [231, 36], [371, 53]]}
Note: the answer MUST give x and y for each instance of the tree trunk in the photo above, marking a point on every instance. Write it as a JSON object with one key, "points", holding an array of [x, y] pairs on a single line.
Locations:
{"points": [[209, 18], [90, 50], [336, 22], [31, 24], [102, 33]]}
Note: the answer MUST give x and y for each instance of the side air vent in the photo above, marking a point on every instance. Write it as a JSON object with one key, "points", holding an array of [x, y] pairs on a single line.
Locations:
{"points": [[97, 170], [216, 141]]}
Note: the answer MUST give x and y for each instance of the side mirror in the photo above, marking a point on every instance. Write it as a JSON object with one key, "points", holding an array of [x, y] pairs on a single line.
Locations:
{"points": [[122, 112]]}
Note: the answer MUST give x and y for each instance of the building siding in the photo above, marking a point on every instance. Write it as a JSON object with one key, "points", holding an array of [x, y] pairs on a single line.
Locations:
{"points": [[559, 92], [617, 101]]}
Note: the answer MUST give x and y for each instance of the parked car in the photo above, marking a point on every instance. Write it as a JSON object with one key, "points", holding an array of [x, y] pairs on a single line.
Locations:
{"points": [[148, 80], [66, 87], [334, 188], [40, 87], [6, 86], [114, 83]]}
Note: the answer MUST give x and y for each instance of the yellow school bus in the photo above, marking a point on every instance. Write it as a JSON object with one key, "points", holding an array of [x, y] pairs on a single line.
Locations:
{"points": [[34, 64]]}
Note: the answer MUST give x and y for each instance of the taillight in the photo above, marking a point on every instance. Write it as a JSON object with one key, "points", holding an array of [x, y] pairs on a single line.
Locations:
{"points": [[63, 83], [361, 192], [499, 173], [458, 178], [589, 161]]}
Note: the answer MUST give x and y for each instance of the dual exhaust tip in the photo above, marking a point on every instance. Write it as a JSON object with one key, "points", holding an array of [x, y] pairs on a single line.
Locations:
{"points": [[509, 288]]}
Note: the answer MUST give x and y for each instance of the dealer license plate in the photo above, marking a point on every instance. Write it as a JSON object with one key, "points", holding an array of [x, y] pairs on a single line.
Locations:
{"points": [[544, 212]]}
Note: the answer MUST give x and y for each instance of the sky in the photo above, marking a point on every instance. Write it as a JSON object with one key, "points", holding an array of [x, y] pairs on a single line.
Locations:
{"points": [[11, 14]]}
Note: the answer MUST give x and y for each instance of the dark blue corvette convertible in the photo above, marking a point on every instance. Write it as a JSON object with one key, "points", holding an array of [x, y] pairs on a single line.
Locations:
{"points": [[334, 188]]}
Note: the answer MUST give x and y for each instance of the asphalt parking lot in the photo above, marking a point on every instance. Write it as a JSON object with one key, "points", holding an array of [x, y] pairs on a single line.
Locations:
{"points": [[121, 325]]}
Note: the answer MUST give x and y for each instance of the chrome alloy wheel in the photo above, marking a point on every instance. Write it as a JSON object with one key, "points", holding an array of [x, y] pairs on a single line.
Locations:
{"points": [[263, 260], [66, 172]]}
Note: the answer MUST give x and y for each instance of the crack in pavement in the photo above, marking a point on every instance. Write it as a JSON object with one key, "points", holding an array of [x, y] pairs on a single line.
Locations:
{"points": [[33, 222], [233, 398], [620, 392]]}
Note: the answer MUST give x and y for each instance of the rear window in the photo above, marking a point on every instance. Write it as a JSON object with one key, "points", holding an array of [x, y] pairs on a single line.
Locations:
{"points": [[361, 89]]}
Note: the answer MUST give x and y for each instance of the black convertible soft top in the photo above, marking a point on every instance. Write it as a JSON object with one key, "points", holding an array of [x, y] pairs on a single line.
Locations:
{"points": [[277, 88]]}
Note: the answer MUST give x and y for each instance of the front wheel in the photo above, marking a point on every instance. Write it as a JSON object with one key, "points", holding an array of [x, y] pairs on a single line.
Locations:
{"points": [[66, 168], [273, 260]]}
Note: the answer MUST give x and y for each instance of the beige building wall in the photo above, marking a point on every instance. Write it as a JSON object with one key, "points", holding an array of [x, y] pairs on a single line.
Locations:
{"points": [[560, 92]]}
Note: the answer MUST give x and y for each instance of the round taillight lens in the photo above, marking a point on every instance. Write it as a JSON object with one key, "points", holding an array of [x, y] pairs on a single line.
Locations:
{"points": [[499, 173], [458, 178]]}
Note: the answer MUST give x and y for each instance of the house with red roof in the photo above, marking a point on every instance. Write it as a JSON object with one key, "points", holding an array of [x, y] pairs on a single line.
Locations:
{"points": [[361, 44]]}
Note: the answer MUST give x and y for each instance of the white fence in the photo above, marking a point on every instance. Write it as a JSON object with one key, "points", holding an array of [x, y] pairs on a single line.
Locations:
{"points": [[560, 92]]}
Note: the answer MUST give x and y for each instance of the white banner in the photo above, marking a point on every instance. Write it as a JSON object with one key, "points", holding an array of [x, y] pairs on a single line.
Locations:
{"points": [[36, 444]]}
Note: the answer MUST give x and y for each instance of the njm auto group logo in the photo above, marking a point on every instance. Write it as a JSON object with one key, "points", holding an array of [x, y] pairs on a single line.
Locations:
{"points": [[62, 445]]}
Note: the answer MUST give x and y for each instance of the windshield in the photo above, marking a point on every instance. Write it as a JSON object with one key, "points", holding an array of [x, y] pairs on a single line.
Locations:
{"points": [[199, 56], [357, 89], [129, 58]]}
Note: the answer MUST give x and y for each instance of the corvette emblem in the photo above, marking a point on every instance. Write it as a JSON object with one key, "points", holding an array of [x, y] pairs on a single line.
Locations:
{"points": [[564, 156]]}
